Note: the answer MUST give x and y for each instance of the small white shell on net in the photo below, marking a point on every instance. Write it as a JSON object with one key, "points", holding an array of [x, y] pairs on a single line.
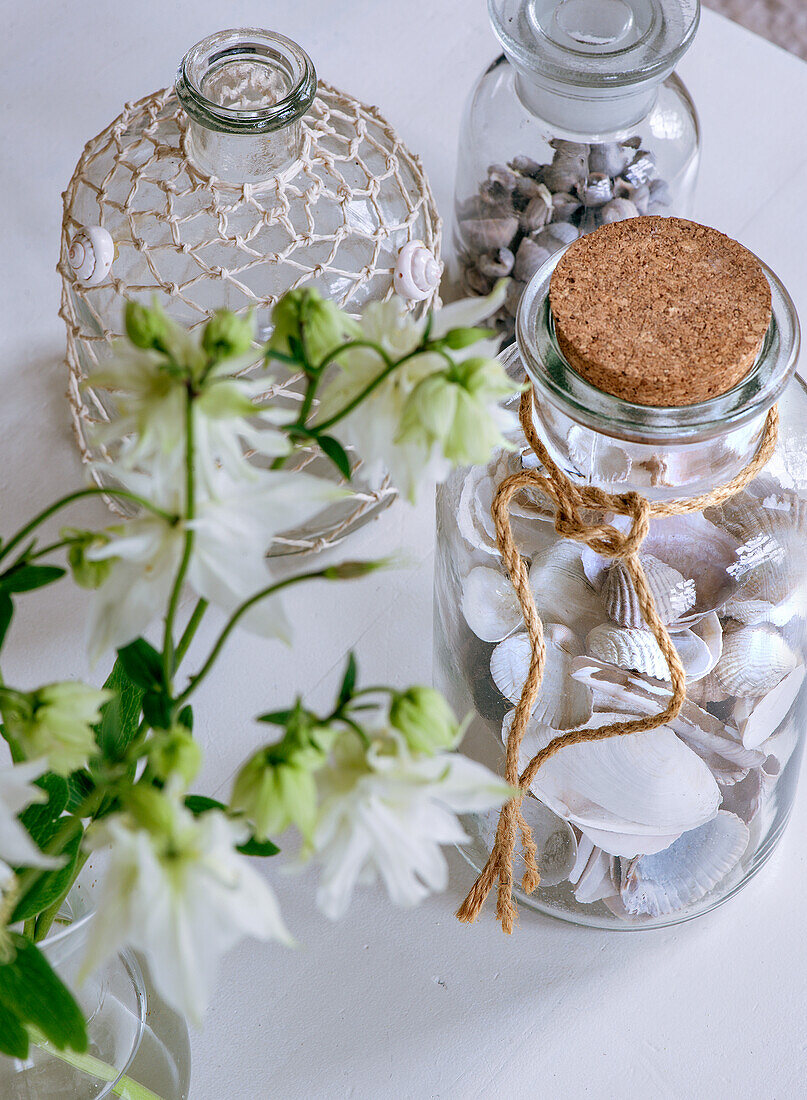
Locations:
{"points": [[768, 712], [656, 885], [562, 702], [754, 660], [649, 784], [673, 594], [490, 604], [417, 272], [91, 254]]}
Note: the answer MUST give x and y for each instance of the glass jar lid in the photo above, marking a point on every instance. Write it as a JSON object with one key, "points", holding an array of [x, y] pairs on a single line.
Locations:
{"points": [[596, 43]]}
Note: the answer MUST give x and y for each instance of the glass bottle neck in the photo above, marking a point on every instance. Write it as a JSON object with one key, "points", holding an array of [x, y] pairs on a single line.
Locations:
{"points": [[245, 93]]}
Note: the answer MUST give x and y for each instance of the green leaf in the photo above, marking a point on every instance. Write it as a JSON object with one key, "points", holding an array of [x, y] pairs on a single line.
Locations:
{"points": [[253, 847], [41, 819], [79, 786], [120, 717], [6, 615], [348, 681], [157, 710], [276, 717], [31, 990], [142, 664], [185, 717], [25, 578], [200, 804], [336, 453], [51, 885], [13, 1036]]}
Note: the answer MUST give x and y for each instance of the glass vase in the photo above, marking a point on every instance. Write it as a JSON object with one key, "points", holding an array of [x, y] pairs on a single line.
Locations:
{"points": [[636, 834]]}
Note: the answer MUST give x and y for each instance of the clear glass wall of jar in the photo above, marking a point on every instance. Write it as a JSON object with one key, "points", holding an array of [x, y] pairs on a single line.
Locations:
{"points": [[620, 840], [580, 122]]}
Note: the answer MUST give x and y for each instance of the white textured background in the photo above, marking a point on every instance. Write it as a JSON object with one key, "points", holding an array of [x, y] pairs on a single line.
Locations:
{"points": [[396, 1004]]}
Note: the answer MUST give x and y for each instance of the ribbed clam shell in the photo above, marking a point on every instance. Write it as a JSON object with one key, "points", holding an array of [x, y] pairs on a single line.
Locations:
{"points": [[648, 784], [562, 703], [754, 660], [627, 647], [672, 593], [656, 885], [700, 550], [490, 604]]}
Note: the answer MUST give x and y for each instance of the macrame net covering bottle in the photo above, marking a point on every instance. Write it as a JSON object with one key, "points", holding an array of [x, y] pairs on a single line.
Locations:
{"points": [[620, 599], [247, 179]]}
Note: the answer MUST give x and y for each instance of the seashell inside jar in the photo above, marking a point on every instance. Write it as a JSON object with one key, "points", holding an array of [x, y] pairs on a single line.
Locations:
{"points": [[673, 584]]}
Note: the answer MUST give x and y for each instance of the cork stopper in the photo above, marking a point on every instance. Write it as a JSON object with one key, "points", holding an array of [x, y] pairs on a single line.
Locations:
{"points": [[660, 311]]}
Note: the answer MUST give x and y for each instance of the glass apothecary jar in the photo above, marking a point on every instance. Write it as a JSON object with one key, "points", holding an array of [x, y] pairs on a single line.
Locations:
{"points": [[653, 828], [137, 1046], [250, 177], [580, 122]]}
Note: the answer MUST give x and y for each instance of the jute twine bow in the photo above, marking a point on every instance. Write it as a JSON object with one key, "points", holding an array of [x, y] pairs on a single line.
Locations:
{"points": [[571, 503]]}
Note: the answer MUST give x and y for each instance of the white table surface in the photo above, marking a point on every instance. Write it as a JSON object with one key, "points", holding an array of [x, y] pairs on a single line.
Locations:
{"points": [[396, 1003]]}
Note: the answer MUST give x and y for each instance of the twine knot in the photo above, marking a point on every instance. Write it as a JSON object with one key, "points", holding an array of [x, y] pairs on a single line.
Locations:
{"points": [[581, 513]]}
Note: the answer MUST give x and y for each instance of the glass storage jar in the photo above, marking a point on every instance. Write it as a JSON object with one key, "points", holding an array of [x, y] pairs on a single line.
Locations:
{"points": [[646, 829], [247, 179], [580, 122]]}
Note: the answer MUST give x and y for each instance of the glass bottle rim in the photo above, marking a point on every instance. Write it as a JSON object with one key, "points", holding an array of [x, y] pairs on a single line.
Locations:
{"points": [[664, 30], [557, 382], [223, 47]]}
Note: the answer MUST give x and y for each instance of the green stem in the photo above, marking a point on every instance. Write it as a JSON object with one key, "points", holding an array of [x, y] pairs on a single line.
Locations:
{"points": [[53, 547], [123, 1086], [368, 389], [43, 922], [124, 494], [190, 499], [237, 615], [190, 630]]}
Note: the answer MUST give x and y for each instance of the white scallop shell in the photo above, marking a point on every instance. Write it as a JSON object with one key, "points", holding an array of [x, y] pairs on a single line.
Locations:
{"points": [[685, 872], [474, 518], [629, 648], [645, 784], [754, 660], [490, 604], [562, 703], [768, 712], [673, 594], [699, 550], [417, 272], [91, 254]]}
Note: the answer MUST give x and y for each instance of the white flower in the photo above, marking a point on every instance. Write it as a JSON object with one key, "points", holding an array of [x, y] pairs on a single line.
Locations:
{"points": [[234, 525], [373, 428], [183, 898], [16, 793], [150, 400], [55, 724], [386, 812]]}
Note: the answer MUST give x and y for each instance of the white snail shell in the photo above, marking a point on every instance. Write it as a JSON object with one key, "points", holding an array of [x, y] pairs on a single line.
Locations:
{"points": [[91, 253], [417, 272]]}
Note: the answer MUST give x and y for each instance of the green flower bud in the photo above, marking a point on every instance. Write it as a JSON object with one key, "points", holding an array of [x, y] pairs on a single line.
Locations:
{"points": [[306, 317], [151, 809], [275, 795], [459, 338], [425, 719], [174, 752], [226, 335], [57, 722], [86, 572], [146, 327]]}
